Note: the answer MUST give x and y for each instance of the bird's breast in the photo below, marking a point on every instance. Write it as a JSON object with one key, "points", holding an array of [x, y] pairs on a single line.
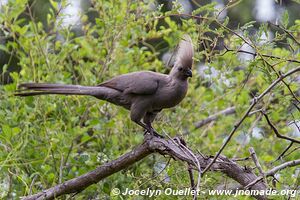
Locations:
{"points": [[170, 95]]}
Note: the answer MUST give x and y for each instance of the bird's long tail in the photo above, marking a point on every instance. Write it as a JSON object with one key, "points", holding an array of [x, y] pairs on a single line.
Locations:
{"points": [[32, 89]]}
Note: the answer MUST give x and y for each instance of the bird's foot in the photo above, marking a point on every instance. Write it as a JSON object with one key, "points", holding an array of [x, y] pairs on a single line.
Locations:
{"points": [[154, 133], [151, 131]]}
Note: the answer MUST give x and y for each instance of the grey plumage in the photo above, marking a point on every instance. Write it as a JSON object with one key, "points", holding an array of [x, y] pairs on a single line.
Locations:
{"points": [[144, 93]]}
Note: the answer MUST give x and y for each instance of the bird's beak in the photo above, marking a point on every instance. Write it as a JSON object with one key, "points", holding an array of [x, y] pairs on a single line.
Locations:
{"points": [[189, 73]]}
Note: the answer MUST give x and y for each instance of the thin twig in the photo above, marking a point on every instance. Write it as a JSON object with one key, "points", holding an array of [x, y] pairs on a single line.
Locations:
{"points": [[255, 160], [31, 184], [181, 144], [298, 108], [159, 173], [240, 159], [257, 164], [295, 149], [213, 117], [285, 150], [295, 122], [277, 132], [286, 31], [264, 55], [61, 169], [190, 170], [278, 75], [35, 29], [69, 152]]}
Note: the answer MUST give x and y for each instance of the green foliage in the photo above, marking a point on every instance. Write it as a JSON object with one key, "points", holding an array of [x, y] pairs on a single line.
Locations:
{"points": [[46, 140]]}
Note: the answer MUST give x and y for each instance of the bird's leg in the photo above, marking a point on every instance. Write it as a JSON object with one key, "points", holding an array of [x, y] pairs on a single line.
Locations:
{"points": [[142, 125], [149, 129], [152, 131], [148, 119], [145, 127], [136, 116]]}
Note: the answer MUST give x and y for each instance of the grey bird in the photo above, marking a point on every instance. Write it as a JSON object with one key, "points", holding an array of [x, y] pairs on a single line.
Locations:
{"points": [[144, 93]]}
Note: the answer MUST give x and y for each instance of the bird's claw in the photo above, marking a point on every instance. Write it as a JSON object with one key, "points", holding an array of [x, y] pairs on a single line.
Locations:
{"points": [[153, 132]]}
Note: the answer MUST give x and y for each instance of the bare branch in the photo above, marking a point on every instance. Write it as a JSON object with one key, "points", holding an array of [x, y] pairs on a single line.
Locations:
{"points": [[240, 159], [277, 132], [298, 108], [282, 166], [285, 150], [215, 116], [193, 186], [150, 145], [273, 171], [292, 151], [255, 160]]}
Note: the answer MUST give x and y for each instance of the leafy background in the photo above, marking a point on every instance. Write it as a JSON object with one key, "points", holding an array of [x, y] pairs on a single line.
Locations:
{"points": [[46, 140]]}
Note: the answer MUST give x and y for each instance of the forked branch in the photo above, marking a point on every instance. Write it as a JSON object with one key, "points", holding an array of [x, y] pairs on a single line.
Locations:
{"points": [[242, 175]]}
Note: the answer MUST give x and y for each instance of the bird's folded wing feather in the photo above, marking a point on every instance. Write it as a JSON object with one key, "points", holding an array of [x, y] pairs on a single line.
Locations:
{"points": [[140, 83]]}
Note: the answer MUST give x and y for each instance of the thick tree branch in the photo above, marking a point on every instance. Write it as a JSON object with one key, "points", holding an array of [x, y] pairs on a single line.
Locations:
{"points": [[242, 175]]}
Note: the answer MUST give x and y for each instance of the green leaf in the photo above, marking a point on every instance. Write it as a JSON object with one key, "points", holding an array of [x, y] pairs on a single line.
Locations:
{"points": [[248, 25], [207, 8]]}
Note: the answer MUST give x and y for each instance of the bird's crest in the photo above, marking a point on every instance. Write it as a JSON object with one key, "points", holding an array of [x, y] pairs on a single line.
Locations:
{"points": [[185, 52]]}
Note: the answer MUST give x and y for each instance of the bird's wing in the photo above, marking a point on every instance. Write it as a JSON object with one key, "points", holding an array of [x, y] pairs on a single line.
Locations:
{"points": [[140, 83]]}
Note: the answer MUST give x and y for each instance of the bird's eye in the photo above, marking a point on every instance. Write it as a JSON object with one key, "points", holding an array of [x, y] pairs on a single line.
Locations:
{"points": [[180, 68]]}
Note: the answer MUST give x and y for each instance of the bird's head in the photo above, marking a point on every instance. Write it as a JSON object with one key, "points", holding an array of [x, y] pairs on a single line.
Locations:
{"points": [[182, 68]]}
